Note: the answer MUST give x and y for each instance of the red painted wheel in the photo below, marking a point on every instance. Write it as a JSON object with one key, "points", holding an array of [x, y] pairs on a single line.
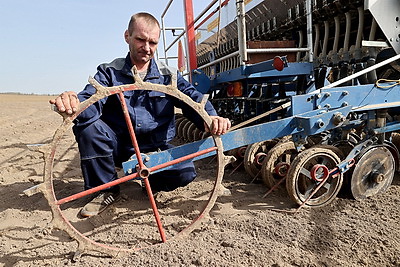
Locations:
{"points": [[277, 162], [255, 154], [132, 223], [300, 184]]}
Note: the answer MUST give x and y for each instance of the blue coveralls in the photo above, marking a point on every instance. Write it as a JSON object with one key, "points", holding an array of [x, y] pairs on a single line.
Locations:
{"points": [[102, 134]]}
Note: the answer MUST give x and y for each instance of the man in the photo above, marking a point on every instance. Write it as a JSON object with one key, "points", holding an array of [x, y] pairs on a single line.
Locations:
{"points": [[101, 133]]}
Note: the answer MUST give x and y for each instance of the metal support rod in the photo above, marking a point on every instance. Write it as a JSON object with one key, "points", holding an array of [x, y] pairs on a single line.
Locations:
{"points": [[163, 30], [309, 31], [298, 56], [164, 39], [241, 28], [166, 8]]}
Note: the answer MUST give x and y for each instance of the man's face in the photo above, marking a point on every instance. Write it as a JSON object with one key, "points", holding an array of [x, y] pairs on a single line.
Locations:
{"points": [[142, 42]]}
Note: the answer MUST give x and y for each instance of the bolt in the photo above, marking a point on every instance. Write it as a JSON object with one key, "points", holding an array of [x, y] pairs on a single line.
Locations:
{"points": [[327, 106], [327, 94], [320, 123], [378, 177], [338, 118], [317, 96], [345, 104], [345, 93]]}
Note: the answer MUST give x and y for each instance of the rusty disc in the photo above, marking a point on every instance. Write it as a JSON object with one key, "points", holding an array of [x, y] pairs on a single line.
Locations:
{"points": [[373, 173]]}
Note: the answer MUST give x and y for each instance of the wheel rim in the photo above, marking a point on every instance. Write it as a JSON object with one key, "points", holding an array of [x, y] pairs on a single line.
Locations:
{"points": [[251, 162], [373, 173], [61, 218], [300, 184], [279, 157]]}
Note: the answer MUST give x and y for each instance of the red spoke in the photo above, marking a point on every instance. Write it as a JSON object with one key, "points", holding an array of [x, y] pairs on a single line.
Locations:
{"points": [[96, 189], [181, 159], [131, 129]]}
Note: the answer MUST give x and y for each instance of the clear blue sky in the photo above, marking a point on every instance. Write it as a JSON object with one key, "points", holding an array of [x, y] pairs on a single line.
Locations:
{"points": [[50, 46]]}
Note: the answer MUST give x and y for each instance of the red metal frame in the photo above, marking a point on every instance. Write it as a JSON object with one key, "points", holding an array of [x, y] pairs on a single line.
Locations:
{"points": [[190, 34]]}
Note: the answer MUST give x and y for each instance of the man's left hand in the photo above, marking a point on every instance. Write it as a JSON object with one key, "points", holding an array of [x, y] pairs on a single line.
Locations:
{"points": [[219, 125]]}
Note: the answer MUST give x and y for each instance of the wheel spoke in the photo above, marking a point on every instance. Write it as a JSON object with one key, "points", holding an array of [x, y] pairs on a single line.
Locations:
{"points": [[306, 173], [300, 185]]}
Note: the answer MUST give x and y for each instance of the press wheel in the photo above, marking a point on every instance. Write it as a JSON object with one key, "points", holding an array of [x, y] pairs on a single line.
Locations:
{"points": [[255, 155], [277, 162], [373, 173], [300, 184]]}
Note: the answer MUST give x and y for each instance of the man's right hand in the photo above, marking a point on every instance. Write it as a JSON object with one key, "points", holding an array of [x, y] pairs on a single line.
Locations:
{"points": [[67, 102]]}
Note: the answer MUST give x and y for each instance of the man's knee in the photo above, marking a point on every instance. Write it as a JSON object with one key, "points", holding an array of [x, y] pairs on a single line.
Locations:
{"points": [[187, 175], [95, 140]]}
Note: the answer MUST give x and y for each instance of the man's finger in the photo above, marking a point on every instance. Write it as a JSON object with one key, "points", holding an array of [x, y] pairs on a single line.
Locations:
{"points": [[66, 100], [74, 102], [59, 104]]}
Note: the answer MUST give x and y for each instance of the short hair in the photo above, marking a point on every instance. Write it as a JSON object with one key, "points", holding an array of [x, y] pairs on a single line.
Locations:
{"points": [[150, 19]]}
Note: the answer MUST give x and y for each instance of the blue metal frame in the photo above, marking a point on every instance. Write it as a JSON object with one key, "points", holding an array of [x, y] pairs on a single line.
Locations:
{"points": [[263, 71], [308, 118]]}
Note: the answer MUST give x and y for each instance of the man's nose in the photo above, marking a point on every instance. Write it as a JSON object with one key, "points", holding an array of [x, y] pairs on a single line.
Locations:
{"points": [[146, 46]]}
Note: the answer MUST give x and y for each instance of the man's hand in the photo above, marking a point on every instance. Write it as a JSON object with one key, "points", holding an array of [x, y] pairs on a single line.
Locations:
{"points": [[67, 102], [219, 125]]}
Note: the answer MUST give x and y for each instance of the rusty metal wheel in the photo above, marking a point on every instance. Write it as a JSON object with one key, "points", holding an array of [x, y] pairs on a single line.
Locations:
{"points": [[277, 163], [255, 155], [304, 183], [133, 223], [373, 172]]}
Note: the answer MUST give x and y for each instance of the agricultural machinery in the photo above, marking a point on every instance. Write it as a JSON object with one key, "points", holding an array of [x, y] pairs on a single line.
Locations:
{"points": [[311, 89]]}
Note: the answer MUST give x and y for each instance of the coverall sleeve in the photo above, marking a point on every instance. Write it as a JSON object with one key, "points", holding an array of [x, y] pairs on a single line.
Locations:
{"points": [[93, 112], [188, 89]]}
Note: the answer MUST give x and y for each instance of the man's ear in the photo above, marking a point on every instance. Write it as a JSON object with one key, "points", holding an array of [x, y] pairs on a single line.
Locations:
{"points": [[126, 36]]}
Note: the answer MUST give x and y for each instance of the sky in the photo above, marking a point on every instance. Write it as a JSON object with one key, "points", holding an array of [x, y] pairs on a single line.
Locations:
{"points": [[51, 46]]}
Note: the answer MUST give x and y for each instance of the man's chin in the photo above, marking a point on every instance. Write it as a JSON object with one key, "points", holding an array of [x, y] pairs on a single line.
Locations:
{"points": [[144, 60]]}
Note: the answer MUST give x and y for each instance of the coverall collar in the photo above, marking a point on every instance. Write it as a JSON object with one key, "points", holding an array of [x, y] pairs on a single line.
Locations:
{"points": [[152, 72]]}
